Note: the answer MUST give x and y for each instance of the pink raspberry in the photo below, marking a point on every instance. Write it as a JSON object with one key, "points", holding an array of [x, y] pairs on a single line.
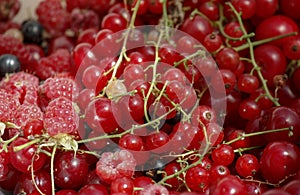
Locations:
{"points": [[27, 112], [57, 62], [8, 106], [59, 87], [23, 85], [61, 117], [112, 166], [54, 18]]}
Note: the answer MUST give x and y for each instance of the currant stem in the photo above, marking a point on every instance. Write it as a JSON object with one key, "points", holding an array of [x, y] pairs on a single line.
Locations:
{"points": [[244, 135], [52, 169], [263, 41], [255, 65], [126, 35], [21, 147]]}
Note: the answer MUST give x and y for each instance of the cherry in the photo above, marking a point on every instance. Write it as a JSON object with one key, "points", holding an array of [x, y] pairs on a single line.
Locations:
{"points": [[114, 22], [276, 192], [247, 83], [227, 58], [156, 142], [272, 61], [42, 180], [93, 189], [246, 7], [223, 155], [170, 169], [122, 185], [233, 29], [293, 187], [27, 158], [186, 44], [247, 165], [266, 8], [212, 42], [197, 178], [241, 143], [286, 156], [69, 169], [226, 79], [229, 185], [66, 192], [217, 172], [210, 9], [198, 27], [203, 115], [274, 26], [290, 8], [291, 48], [141, 182], [155, 6], [249, 109], [277, 118]]}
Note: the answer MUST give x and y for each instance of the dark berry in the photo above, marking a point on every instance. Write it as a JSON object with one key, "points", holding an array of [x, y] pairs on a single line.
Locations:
{"points": [[9, 64], [32, 31]]}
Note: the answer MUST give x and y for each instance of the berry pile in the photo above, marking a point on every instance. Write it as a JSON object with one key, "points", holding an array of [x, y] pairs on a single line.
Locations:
{"points": [[145, 97]]}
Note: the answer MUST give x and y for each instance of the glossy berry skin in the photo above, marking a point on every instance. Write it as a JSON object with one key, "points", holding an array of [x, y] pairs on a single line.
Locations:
{"points": [[230, 185], [217, 172], [274, 26], [122, 185], [223, 155], [287, 157], [249, 109], [247, 165], [247, 83], [293, 187], [69, 170], [266, 8], [272, 61], [290, 8], [9, 64], [42, 180], [93, 189], [197, 178], [228, 58], [292, 48], [22, 159], [114, 22], [281, 117], [32, 32], [198, 27], [246, 7], [224, 81]]}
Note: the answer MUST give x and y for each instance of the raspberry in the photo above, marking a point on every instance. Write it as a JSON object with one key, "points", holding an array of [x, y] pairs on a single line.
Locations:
{"points": [[99, 6], [8, 106], [11, 45], [154, 189], [23, 85], [59, 87], [112, 166], [58, 62], [54, 18], [61, 117], [84, 19], [4, 26], [8, 9], [27, 112]]}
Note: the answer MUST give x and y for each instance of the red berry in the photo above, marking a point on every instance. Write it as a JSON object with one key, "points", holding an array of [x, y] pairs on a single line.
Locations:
{"points": [[115, 165], [60, 117], [54, 18], [57, 62]]}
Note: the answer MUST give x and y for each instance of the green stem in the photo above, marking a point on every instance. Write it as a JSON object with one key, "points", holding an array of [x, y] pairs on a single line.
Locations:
{"points": [[255, 65], [263, 41], [244, 135], [52, 169]]}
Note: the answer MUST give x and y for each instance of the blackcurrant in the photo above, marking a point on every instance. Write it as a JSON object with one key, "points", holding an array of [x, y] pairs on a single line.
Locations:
{"points": [[9, 64], [32, 32]]}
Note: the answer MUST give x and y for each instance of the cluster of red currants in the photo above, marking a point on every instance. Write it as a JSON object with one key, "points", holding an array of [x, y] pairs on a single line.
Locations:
{"points": [[144, 97]]}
